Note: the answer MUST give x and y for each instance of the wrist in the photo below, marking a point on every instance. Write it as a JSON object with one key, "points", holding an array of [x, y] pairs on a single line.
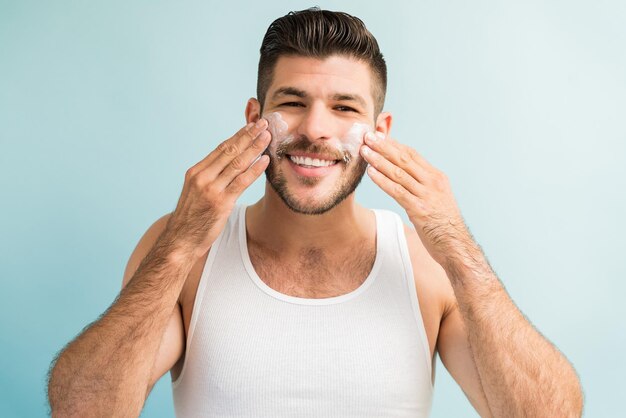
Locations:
{"points": [[467, 264], [174, 251]]}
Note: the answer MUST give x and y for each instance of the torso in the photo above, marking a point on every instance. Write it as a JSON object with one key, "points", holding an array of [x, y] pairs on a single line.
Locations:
{"points": [[316, 274], [334, 276]]}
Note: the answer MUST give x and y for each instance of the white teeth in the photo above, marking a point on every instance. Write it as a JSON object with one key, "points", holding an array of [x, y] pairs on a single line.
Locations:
{"points": [[315, 162]]}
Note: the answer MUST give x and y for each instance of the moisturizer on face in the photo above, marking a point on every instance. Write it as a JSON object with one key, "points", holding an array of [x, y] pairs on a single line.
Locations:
{"points": [[280, 132], [352, 140], [348, 143]]}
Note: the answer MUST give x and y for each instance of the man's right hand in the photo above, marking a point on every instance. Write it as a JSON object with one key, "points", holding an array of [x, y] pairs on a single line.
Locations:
{"points": [[91, 375], [212, 187]]}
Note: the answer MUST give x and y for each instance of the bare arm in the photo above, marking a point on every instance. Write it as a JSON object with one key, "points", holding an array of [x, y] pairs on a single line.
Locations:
{"points": [[522, 373], [108, 369], [518, 372]]}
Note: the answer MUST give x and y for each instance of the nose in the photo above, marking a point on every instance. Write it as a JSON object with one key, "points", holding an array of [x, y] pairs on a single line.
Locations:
{"points": [[316, 123]]}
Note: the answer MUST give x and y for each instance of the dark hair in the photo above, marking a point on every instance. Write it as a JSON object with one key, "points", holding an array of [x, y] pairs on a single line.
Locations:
{"points": [[319, 34]]}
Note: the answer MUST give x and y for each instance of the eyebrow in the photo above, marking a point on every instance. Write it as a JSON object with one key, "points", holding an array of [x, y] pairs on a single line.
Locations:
{"points": [[340, 97], [343, 97], [289, 91]]}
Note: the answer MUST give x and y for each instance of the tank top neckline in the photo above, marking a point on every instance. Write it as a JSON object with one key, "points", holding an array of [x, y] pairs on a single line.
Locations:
{"points": [[252, 274]]}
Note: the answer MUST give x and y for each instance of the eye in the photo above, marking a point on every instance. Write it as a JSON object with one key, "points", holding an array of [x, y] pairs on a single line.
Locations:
{"points": [[345, 109], [292, 104]]}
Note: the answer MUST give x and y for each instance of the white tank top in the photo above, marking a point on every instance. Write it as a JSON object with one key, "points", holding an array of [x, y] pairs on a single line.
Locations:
{"points": [[255, 352]]}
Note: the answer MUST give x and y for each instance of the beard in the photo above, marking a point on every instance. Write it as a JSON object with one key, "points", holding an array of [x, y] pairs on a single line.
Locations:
{"points": [[353, 170]]}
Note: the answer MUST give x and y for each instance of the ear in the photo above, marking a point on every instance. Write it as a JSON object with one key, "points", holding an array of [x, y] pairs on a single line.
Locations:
{"points": [[383, 123], [253, 110]]}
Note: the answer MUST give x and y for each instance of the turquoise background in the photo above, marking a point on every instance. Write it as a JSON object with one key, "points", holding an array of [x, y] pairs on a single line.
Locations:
{"points": [[104, 105]]}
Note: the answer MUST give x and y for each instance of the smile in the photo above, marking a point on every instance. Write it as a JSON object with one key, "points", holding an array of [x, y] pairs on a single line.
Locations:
{"points": [[311, 162], [308, 166]]}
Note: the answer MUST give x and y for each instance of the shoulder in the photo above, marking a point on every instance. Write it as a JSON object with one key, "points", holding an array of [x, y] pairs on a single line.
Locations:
{"points": [[145, 244], [431, 280]]}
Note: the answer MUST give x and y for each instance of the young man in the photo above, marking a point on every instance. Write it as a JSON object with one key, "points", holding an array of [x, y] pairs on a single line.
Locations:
{"points": [[306, 303]]}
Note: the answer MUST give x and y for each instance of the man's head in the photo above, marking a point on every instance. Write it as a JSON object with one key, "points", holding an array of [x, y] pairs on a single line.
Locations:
{"points": [[320, 34], [321, 86]]}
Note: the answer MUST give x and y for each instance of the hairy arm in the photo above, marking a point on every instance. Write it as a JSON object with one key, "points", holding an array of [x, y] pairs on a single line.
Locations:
{"points": [[108, 369], [518, 371], [521, 373]]}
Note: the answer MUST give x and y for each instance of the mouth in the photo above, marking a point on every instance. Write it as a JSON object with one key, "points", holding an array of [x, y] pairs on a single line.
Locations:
{"points": [[312, 165], [312, 161]]}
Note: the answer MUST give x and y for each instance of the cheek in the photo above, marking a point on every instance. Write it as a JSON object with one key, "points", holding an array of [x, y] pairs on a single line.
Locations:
{"points": [[279, 129], [352, 140]]}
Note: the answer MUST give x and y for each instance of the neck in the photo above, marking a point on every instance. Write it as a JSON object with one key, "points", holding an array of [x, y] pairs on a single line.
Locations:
{"points": [[271, 224]]}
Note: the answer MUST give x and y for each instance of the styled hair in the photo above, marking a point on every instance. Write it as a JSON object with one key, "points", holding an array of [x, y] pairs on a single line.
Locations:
{"points": [[319, 34]]}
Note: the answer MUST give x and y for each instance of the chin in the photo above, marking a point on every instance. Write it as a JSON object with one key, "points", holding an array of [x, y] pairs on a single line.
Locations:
{"points": [[312, 205], [309, 199]]}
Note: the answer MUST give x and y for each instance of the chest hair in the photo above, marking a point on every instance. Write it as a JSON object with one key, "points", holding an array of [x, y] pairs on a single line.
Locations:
{"points": [[314, 272]]}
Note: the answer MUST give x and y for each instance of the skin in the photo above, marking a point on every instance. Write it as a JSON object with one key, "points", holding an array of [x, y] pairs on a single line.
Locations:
{"points": [[503, 365], [108, 370], [519, 371]]}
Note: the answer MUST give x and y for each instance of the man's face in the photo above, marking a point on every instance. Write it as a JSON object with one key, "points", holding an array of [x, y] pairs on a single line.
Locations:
{"points": [[318, 112]]}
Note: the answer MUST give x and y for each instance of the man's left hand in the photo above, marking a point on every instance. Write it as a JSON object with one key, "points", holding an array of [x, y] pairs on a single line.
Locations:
{"points": [[422, 190]]}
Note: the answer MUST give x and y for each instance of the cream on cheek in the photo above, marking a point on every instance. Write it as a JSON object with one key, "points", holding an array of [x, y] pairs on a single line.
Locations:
{"points": [[279, 130], [348, 143], [352, 140]]}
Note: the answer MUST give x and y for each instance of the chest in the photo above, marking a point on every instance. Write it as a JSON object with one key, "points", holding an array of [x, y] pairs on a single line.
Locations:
{"points": [[357, 360], [318, 275], [283, 359], [314, 273]]}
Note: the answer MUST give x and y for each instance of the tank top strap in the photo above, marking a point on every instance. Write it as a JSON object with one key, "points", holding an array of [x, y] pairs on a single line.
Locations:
{"points": [[392, 231]]}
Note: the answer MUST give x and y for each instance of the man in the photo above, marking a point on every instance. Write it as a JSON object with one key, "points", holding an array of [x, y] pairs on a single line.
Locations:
{"points": [[306, 303]]}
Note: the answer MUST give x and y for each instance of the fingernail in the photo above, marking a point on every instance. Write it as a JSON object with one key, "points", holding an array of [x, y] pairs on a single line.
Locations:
{"points": [[265, 136], [366, 150], [260, 123], [380, 135], [370, 136]]}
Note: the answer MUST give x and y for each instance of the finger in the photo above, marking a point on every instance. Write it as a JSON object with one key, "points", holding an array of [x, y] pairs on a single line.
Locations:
{"points": [[401, 155], [201, 165], [406, 199], [230, 148], [392, 171], [415, 156], [243, 160], [245, 179]]}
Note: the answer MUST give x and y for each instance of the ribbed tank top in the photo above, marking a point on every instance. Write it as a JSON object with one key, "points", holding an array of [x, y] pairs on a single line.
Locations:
{"points": [[255, 352]]}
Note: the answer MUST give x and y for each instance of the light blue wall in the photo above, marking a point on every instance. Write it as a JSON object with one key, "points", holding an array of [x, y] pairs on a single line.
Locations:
{"points": [[104, 105]]}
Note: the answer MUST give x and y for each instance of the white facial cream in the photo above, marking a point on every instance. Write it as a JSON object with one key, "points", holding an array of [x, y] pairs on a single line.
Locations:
{"points": [[279, 130], [348, 144], [352, 140]]}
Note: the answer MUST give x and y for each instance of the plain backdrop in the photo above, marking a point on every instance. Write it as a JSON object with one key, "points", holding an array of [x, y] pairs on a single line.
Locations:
{"points": [[105, 104]]}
